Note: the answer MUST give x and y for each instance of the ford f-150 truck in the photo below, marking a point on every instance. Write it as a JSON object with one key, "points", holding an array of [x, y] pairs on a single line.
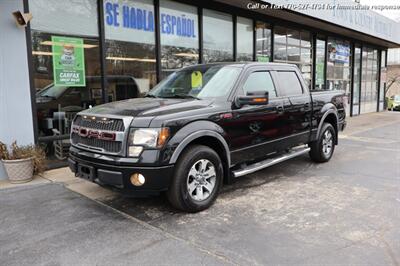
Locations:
{"points": [[204, 126]]}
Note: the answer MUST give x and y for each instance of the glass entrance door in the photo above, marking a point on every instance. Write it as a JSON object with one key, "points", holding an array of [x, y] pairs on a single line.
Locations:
{"points": [[382, 82], [369, 80]]}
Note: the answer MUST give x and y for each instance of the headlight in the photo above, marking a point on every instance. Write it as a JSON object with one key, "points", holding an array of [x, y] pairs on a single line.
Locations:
{"points": [[140, 138]]}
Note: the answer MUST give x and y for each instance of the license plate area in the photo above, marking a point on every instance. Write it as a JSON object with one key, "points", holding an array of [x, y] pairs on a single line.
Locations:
{"points": [[86, 172]]}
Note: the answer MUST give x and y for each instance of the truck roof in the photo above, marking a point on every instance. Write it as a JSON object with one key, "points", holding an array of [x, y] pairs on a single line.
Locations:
{"points": [[244, 64]]}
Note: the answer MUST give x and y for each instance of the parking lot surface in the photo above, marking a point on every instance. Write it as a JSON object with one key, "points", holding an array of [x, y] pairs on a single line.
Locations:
{"points": [[346, 211]]}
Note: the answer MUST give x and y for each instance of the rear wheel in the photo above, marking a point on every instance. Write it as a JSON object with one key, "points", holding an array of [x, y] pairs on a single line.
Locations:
{"points": [[197, 180], [322, 149]]}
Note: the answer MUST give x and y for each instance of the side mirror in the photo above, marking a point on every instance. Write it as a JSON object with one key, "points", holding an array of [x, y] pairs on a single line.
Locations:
{"points": [[253, 98]]}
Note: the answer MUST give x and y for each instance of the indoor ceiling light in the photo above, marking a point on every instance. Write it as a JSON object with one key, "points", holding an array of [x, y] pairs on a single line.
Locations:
{"points": [[86, 46], [187, 55], [148, 60], [42, 53]]}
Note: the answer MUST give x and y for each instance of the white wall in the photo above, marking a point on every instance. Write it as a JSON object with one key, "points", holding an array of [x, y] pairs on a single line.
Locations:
{"points": [[393, 56], [15, 99]]}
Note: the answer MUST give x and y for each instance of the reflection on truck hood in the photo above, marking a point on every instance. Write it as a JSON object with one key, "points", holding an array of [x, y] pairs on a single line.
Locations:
{"points": [[148, 107]]}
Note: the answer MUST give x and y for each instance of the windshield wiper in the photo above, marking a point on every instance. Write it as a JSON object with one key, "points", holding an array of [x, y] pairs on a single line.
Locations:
{"points": [[149, 95], [183, 96]]}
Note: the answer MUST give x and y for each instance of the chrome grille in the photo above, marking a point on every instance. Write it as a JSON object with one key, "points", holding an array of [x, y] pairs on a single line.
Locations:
{"points": [[100, 124], [109, 124], [97, 144]]}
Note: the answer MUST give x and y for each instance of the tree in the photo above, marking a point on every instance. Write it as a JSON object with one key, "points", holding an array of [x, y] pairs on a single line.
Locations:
{"points": [[393, 78]]}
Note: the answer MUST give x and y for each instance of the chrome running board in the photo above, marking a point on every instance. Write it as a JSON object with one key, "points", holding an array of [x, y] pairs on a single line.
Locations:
{"points": [[294, 152]]}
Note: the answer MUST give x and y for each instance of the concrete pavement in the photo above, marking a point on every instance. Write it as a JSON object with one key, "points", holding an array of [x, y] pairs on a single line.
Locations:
{"points": [[343, 212]]}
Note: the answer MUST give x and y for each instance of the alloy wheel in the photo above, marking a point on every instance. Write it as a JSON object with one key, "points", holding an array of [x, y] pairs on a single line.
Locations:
{"points": [[201, 180], [327, 143]]}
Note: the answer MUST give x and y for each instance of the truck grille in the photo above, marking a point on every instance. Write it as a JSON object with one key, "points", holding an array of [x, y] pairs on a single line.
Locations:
{"points": [[98, 124], [97, 144], [109, 124]]}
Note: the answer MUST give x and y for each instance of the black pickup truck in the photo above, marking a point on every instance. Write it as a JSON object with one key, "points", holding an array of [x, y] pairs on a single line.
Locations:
{"points": [[203, 126]]}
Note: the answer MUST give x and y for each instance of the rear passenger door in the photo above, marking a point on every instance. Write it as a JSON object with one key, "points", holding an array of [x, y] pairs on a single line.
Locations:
{"points": [[298, 109]]}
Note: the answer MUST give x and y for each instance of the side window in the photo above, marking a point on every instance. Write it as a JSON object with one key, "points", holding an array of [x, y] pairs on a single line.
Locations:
{"points": [[260, 81], [290, 83]]}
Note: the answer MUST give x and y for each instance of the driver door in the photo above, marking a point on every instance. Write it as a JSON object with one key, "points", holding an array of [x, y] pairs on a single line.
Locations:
{"points": [[256, 127]]}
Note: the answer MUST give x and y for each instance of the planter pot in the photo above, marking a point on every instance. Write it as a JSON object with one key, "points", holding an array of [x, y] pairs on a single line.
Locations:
{"points": [[19, 171], [3, 174]]}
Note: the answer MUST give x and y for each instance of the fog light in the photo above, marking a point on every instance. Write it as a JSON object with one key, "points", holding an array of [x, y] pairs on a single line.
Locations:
{"points": [[134, 151], [137, 179]]}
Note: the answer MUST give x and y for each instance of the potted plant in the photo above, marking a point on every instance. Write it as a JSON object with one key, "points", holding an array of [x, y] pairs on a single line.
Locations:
{"points": [[22, 162]]}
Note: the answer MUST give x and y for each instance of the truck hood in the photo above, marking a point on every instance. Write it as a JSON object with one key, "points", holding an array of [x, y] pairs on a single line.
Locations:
{"points": [[148, 107]]}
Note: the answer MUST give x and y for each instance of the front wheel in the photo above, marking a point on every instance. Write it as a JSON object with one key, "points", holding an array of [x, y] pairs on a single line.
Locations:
{"points": [[322, 149], [197, 180]]}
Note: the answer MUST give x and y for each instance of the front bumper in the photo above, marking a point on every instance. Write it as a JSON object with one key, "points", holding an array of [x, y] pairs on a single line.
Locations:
{"points": [[395, 107], [117, 177]]}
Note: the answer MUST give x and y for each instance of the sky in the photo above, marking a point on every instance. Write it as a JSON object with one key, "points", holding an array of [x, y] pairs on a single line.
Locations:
{"points": [[393, 14]]}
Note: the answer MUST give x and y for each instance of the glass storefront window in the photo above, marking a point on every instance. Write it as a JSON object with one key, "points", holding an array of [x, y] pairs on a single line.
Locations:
{"points": [[369, 80], [294, 46], [280, 44], [263, 42], [217, 36], [244, 39], [130, 46], [356, 81], [320, 65], [338, 74], [66, 67], [179, 36], [338, 65]]}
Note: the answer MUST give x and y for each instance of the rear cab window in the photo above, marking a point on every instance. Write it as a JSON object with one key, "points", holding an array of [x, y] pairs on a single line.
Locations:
{"points": [[289, 83]]}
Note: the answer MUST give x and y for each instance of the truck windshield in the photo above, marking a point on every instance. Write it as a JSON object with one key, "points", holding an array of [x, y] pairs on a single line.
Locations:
{"points": [[199, 82], [51, 91]]}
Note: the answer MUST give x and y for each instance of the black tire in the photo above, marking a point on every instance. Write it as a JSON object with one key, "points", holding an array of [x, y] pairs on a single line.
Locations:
{"points": [[318, 153], [178, 192]]}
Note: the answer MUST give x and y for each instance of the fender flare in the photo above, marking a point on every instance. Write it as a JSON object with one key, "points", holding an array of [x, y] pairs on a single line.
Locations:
{"points": [[325, 115], [198, 134]]}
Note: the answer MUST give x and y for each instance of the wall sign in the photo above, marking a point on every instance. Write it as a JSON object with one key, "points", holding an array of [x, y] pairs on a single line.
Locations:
{"points": [[339, 53], [133, 21], [346, 13], [68, 61], [262, 58]]}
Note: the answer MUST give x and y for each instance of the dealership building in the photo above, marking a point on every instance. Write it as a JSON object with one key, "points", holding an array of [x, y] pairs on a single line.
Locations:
{"points": [[76, 54]]}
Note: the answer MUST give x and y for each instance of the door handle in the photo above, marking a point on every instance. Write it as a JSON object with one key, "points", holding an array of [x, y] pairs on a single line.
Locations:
{"points": [[306, 107], [280, 109]]}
